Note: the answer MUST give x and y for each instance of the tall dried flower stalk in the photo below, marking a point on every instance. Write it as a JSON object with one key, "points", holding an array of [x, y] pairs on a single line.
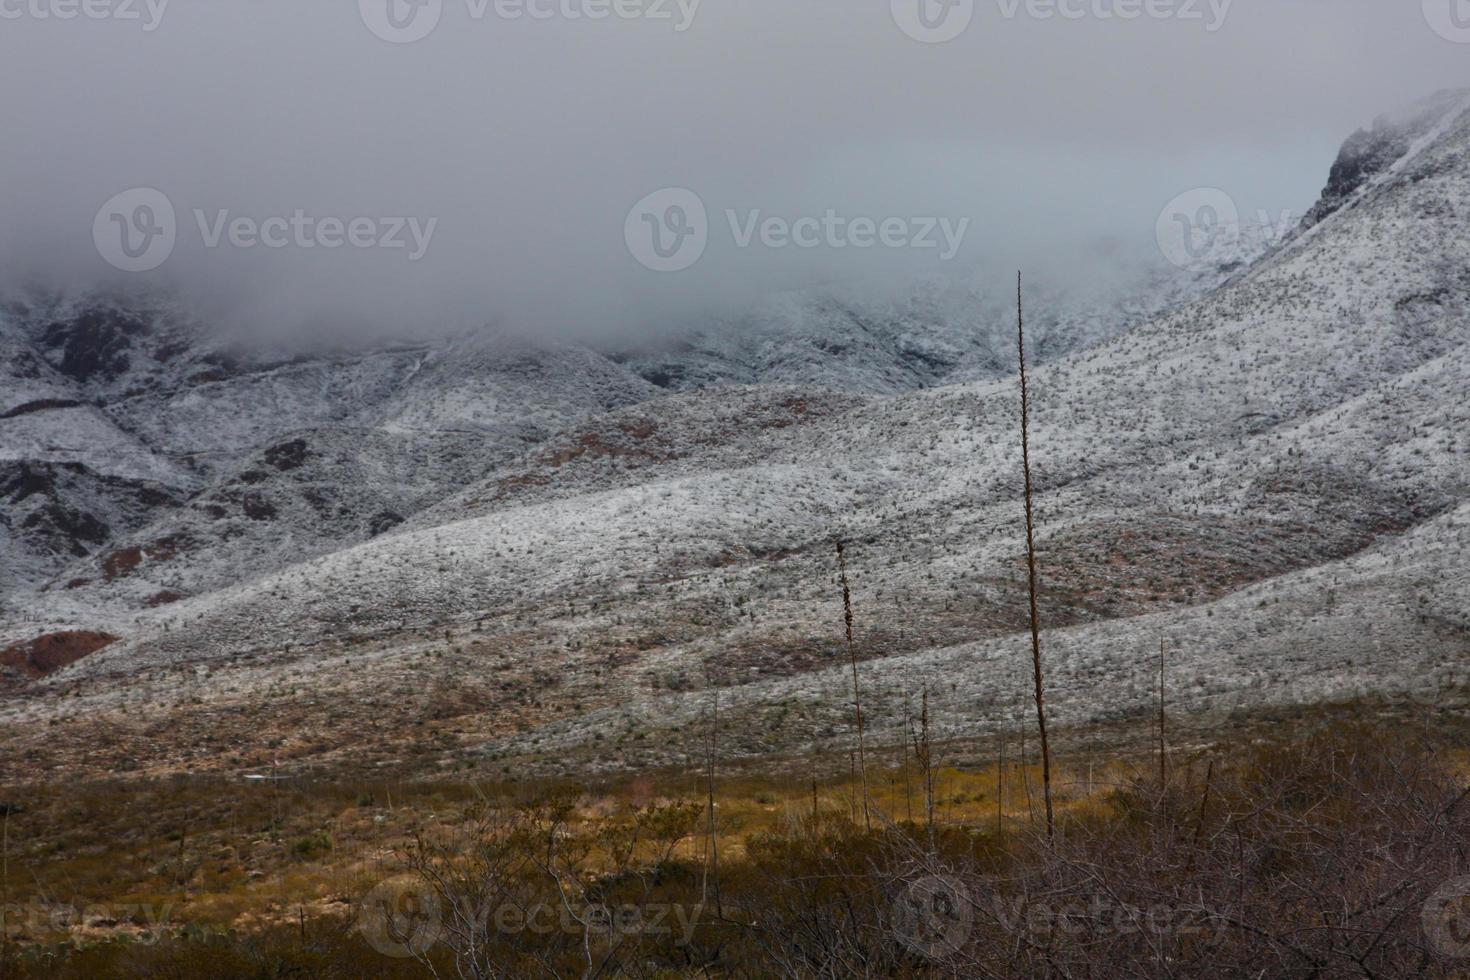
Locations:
{"points": [[713, 868], [1031, 562], [1163, 747], [857, 693]]}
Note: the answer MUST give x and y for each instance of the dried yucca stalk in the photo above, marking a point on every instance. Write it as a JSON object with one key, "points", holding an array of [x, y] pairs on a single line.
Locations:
{"points": [[857, 693], [1031, 562]]}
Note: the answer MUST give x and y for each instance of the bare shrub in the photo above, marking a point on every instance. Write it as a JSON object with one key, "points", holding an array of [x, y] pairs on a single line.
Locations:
{"points": [[1313, 859]]}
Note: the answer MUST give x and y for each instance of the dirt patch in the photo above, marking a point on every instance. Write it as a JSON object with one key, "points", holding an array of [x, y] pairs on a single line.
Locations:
{"points": [[122, 562], [1140, 564], [642, 430], [512, 483], [594, 446], [798, 409], [50, 652], [125, 561]]}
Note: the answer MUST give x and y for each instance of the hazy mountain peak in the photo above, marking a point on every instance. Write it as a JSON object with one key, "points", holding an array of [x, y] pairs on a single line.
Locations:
{"points": [[1371, 152]]}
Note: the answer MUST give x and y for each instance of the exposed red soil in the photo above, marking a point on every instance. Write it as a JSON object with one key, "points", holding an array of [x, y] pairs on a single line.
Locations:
{"points": [[50, 652], [125, 561], [595, 446]]}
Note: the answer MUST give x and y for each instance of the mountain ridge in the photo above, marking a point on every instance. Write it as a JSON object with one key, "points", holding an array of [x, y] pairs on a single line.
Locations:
{"points": [[1210, 475]]}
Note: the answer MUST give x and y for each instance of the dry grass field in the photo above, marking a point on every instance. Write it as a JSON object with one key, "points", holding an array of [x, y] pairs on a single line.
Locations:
{"points": [[356, 874]]}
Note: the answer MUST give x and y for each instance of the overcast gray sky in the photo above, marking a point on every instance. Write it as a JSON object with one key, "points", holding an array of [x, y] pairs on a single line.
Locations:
{"points": [[530, 139]]}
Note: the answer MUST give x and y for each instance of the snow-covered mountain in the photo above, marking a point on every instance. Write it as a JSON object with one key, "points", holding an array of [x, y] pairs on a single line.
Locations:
{"points": [[126, 425], [1273, 477], [936, 331], [126, 422]]}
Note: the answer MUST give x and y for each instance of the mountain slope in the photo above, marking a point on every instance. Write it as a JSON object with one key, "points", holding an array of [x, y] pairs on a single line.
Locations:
{"points": [[118, 413], [866, 339], [1274, 477]]}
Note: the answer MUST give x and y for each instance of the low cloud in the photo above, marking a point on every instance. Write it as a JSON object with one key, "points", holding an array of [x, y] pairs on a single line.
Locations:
{"points": [[524, 139]]}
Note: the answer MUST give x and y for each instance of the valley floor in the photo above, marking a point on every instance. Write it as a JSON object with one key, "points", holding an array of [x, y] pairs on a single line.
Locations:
{"points": [[132, 875]]}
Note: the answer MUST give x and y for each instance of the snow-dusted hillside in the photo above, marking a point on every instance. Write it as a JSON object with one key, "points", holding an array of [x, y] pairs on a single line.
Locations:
{"points": [[936, 331], [1273, 477], [117, 414], [159, 410]]}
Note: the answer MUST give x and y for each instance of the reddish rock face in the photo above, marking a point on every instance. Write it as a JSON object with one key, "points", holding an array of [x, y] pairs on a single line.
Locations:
{"points": [[50, 652], [124, 561]]}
